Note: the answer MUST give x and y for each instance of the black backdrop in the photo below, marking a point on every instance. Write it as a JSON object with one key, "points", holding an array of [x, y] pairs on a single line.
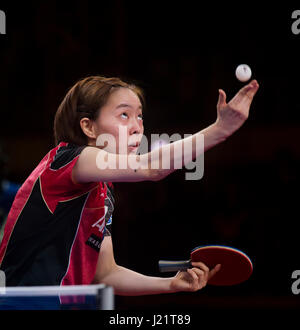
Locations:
{"points": [[180, 54]]}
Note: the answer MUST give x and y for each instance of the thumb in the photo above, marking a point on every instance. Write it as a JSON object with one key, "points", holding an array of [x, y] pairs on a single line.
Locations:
{"points": [[222, 99]]}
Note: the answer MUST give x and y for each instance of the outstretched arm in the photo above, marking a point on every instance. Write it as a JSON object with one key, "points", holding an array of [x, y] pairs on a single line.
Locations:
{"points": [[230, 117]]}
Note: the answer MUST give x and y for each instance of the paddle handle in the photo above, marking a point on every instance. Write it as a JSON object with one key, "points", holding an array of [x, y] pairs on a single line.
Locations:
{"points": [[173, 266]]}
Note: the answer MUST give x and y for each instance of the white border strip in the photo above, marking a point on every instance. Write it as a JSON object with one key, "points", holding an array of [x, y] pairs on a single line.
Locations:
{"points": [[80, 290]]}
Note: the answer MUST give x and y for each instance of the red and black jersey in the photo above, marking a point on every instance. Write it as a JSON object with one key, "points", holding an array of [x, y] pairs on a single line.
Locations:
{"points": [[55, 227]]}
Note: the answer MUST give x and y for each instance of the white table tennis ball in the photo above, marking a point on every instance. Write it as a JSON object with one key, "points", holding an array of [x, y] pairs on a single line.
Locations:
{"points": [[243, 72]]}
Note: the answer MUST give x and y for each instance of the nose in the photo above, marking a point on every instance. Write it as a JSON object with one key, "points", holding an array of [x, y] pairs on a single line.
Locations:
{"points": [[136, 127]]}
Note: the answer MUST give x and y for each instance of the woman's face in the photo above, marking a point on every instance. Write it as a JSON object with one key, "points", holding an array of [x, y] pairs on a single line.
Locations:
{"points": [[121, 117]]}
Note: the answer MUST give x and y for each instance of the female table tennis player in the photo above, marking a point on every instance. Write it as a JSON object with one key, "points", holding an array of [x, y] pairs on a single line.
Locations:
{"points": [[58, 229]]}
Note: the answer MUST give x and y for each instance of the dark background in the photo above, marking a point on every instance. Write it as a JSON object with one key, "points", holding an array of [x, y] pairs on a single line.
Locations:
{"points": [[180, 54]]}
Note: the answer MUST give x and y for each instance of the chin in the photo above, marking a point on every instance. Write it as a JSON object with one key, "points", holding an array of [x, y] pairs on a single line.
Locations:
{"points": [[133, 152]]}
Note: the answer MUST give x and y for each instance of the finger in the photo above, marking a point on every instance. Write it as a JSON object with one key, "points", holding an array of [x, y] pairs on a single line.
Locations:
{"points": [[203, 267], [249, 90], [197, 282], [200, 265], [198, 272], [221, 99], [254, 88], [194, 275], [245, 95], [214, 271], [202, 276]]}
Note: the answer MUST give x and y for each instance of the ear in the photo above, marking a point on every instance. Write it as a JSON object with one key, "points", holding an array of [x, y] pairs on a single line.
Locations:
{"points": [[88, 127]]}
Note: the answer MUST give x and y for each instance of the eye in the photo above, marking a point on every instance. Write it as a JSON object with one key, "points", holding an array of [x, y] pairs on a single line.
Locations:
{"points": [[124, 115], [140, 117]]}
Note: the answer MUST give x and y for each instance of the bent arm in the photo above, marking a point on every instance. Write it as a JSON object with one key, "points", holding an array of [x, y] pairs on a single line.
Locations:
{"points": [[130, 283], [123, 280]]}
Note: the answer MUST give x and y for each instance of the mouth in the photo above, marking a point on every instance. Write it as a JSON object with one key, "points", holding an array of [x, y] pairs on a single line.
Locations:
{"points": [[133, 146]]}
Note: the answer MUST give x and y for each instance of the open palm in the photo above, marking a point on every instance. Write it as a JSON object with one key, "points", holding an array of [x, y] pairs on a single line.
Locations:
{"points": [[232, 115]]}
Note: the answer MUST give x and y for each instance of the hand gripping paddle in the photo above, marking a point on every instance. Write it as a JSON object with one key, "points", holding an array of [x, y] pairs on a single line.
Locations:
{"points": [[236, 266]]}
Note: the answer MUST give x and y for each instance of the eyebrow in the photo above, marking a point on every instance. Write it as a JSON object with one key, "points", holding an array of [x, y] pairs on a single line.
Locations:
{"points": [[125, 105]]}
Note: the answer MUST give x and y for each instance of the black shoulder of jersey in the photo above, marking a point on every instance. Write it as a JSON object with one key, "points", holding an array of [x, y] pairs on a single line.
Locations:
{"points": [[65, 155]]}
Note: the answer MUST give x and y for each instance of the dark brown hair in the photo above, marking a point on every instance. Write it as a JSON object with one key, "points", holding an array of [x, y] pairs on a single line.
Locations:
{"points": [[85, 99]]}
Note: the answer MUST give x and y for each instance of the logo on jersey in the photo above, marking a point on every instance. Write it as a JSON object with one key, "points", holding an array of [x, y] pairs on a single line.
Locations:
{"points": [[94, 242], [101, 223], [98, 228], [109, 221]]}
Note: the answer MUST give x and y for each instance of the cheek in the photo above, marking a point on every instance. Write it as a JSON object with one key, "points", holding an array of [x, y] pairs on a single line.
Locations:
{"points": [[120, 134], [106, 126]]}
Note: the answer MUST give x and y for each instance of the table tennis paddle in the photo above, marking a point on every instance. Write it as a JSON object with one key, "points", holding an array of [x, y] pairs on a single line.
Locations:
{"points": [[236, 266]]}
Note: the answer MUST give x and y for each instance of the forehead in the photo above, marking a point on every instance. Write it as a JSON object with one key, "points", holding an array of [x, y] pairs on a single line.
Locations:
{"points": [[124, 95]]}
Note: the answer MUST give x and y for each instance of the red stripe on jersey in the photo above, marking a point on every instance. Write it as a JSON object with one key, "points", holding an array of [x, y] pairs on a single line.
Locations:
{"points": [[82, 256], [19, 203]]}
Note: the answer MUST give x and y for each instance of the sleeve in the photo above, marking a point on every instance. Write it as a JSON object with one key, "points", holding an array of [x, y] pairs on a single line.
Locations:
{"points": [[56, 180], [65, 155]]}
